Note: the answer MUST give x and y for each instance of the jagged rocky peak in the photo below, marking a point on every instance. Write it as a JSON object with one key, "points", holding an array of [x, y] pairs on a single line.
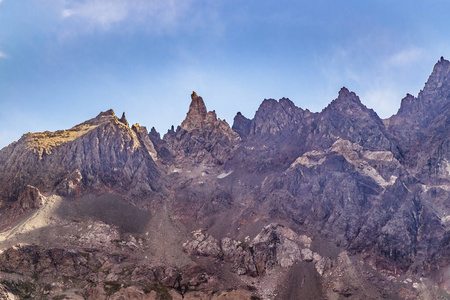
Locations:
{"points": [[241, 125], [107, 117], [106, 152], [436, 93], [345, 93], [409, 105], [287, 104], [141, 131], [136, 127], [347, 118], [431, 102], [348, 104], [421, 126], [274, 116], [196, 114], [438, 80], [45, 142], [282, 108], [154, 134], [101, 117], [201, 136], [109, 112], [201, 119], [346, 101]]}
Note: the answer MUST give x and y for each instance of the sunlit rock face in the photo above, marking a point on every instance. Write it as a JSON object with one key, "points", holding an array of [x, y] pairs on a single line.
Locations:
{"points": [[101, 153]]}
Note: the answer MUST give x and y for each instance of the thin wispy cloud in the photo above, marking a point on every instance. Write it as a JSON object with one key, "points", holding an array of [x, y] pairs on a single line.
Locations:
{"points": [[157, 15], [406, 56], [2, 54], [99, 12]]}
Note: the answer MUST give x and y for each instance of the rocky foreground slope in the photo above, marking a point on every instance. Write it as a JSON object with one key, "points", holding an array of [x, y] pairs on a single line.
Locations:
{"points": [[287, 205]]}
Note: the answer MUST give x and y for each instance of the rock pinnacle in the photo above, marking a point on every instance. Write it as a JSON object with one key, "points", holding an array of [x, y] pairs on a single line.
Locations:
{"points": [[197, 113]]}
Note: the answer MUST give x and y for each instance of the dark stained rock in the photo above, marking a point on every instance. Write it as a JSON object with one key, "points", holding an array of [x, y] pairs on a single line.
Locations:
{"points": [[241, 125]]}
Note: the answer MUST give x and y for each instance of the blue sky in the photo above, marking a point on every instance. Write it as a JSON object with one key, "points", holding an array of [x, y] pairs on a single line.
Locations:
{"points": [[62, 61]]}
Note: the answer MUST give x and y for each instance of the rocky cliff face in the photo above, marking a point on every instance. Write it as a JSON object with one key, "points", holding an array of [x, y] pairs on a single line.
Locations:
{"points": [[421, 130], [102, 153], [289, 204]]}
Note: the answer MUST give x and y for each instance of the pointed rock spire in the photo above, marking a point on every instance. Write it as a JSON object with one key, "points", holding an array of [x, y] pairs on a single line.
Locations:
{"points": [[154, 135], [123, 119], [196, 115]]}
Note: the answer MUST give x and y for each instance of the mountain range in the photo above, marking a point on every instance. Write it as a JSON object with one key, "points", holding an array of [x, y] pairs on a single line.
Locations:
{"points": [[290, 204]]}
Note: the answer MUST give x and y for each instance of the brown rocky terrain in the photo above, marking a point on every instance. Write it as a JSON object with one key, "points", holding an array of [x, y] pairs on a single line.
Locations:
{"points": [[287, 205]]}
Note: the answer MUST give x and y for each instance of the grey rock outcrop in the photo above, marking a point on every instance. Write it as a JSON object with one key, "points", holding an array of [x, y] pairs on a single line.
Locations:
{"points": [[274, 246], [29, 198], [71, 185]]}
